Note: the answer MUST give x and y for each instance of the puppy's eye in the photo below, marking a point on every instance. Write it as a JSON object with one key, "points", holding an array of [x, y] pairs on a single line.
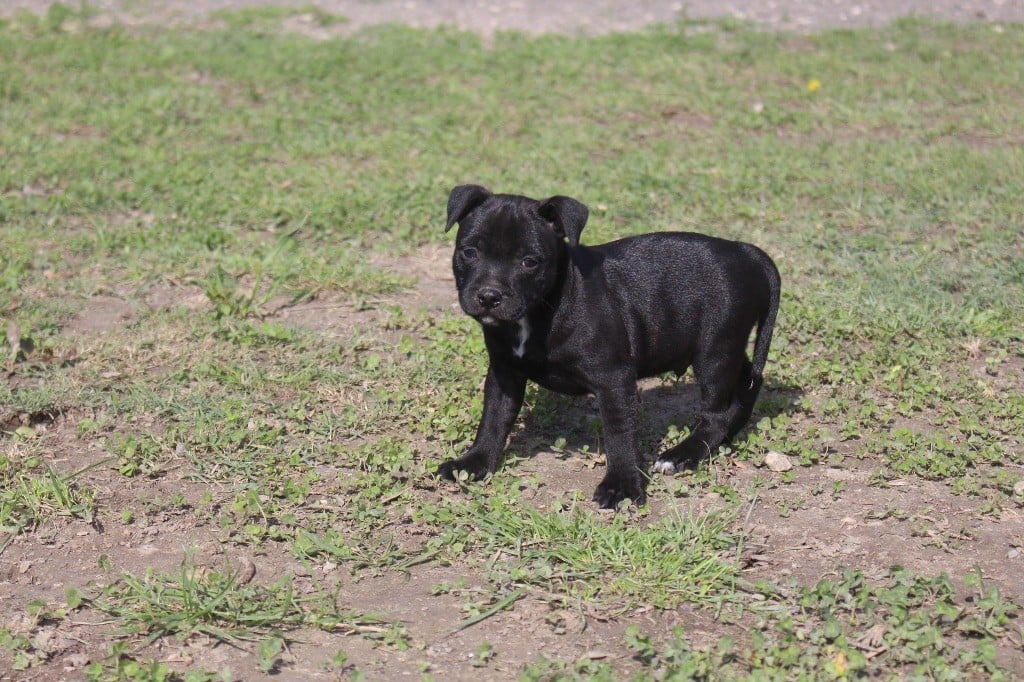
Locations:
{"points": [[469, 253], [530, 262]]}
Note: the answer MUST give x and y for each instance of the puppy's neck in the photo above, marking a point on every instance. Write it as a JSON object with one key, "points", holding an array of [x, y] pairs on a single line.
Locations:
{"points": [[510, 337]]}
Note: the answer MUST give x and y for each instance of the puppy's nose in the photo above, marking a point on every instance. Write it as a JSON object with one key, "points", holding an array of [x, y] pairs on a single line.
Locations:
{"points": [[488, 298]]}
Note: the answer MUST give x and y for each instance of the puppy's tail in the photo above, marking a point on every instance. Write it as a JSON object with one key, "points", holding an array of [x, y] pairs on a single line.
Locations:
{"points": [[766, 325]]}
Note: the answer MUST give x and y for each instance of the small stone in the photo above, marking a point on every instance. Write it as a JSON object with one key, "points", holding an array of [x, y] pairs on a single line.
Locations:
{"points": [[1018, 488], [777, 462], [75, 661]]}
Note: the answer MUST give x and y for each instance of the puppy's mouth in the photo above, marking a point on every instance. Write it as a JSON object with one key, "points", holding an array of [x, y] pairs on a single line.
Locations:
{"points": [[498, 317], [490, 319]]}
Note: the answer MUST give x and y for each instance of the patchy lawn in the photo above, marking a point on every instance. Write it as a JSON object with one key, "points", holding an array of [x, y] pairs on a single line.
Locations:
{"points": [[232, 360]]}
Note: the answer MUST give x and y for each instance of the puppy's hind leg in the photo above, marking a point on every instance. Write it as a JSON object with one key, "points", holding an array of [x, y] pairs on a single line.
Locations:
{"points": [[747, 389], [719, 411]]}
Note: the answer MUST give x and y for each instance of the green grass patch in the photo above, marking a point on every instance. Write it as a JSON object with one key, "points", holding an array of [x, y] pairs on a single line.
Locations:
{"points": [[850, 628], [32, 493], [215, 603], [680, 558]]}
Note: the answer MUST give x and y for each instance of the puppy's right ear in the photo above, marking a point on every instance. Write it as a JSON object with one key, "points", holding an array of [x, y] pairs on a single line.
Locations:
{"points": [[462, 200]]}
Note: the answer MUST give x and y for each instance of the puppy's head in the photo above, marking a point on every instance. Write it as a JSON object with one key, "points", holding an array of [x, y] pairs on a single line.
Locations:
{"points": [[508, 249]]}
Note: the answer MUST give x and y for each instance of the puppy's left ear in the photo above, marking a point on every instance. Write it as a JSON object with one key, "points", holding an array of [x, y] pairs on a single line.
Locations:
{"points": [[567, 215], [462, 200]]}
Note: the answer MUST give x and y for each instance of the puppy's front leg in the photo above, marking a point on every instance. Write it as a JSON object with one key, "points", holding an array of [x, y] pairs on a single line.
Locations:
{"points": [[620, 418], [504, 390]]}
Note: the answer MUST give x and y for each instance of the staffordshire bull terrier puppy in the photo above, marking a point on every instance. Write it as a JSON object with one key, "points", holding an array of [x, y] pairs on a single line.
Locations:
{"points": [[595, 319]]}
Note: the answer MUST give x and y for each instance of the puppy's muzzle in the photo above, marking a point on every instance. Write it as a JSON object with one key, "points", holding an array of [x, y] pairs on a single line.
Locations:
{"points": [[489, 299]]}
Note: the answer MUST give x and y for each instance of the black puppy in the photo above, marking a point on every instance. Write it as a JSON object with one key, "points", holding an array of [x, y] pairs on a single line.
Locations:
{"points": [[594, 319]]}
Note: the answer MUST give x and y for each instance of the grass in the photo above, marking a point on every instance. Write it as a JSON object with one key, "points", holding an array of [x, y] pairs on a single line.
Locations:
{"points": [[221, 605], [679, 559], [243, 171], [838, 627], [33, 493]]}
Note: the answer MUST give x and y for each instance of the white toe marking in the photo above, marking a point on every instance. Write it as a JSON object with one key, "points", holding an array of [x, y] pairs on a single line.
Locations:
{"points": [[524, 334], [664, 467]]}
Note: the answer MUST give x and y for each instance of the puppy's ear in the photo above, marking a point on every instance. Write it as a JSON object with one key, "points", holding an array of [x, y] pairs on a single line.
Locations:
{"points": [[567, 215], [462, 200]]}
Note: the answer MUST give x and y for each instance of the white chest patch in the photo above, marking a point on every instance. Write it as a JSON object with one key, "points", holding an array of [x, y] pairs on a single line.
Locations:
{"points": [[524, 334]]}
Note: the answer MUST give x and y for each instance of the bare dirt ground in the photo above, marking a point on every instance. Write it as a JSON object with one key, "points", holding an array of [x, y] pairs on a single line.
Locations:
{"points": [[936, 530], [568, 16]]}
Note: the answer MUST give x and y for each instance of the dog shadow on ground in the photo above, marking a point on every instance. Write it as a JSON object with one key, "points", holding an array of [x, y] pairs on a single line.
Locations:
{"points": [[570, 425]]}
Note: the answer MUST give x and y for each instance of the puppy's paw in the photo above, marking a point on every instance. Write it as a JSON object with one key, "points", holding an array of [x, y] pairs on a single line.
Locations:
{"points": [[613, 490], [477, 466], [686, 455]]}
